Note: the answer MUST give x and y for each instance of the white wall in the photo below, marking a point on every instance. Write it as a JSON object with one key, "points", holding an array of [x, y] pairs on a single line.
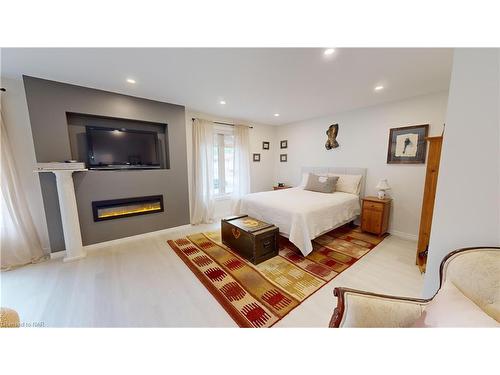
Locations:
{"points": [[363, 138], [16, 117], [261, 173], [499, 139], [466, 209]]}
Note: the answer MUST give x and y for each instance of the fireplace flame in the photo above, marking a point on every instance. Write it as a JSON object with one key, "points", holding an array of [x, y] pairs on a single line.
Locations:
{"points": [[127, 210]]}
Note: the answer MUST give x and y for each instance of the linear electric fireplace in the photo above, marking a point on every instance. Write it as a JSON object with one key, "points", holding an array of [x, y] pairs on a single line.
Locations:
{"points": [[125, 207]]}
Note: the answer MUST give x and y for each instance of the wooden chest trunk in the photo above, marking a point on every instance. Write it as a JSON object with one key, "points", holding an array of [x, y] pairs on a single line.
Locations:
{"points": [[253, 239]]}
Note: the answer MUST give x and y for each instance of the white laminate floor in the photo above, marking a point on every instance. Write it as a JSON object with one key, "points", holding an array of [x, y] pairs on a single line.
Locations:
{"points": [[142, 283]]}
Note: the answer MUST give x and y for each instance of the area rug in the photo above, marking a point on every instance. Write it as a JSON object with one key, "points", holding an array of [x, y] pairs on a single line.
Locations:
{"points": [[260, 295]]}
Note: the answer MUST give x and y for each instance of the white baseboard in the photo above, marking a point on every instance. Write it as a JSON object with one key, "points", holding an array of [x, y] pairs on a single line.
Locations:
{"points": [[95, 246], [58, 254], [404, 235], [135, 237]]}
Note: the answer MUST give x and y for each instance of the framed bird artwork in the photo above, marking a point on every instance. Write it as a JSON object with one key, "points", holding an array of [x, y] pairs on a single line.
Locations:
{"points": [[407, 145]]}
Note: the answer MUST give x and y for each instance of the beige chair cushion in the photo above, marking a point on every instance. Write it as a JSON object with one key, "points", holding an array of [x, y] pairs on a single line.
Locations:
{"points": [[450, 308], [476, 274], [372, 311], [8, 318]]}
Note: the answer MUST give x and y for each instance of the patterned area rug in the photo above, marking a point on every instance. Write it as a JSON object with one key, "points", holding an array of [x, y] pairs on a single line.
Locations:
{"points": [[260, 295]]}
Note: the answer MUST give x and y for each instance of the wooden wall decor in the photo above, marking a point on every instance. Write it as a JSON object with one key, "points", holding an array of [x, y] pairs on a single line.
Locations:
{"points": [[332, 132]]}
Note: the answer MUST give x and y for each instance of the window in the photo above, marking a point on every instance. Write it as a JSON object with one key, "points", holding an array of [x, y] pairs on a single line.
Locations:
{"points": [[223, 162]]}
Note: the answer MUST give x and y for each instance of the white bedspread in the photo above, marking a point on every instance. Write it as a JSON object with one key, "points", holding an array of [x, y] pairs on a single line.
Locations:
{"points": [[301, 215]]}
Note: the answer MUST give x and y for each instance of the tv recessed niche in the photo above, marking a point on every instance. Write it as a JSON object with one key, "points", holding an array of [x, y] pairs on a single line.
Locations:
{"points": [[109, 143]]}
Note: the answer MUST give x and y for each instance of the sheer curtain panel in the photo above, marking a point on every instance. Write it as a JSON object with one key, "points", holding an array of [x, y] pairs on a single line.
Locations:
{"points": [[19, 243], [203, 172], [241, 185]]}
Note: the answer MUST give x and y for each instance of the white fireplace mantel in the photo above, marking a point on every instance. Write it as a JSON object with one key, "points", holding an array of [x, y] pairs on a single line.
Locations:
{"points": [[69, 212]]}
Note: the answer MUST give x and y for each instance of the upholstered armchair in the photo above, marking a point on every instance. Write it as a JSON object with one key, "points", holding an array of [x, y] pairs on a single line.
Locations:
{"points": [[469, 295]]}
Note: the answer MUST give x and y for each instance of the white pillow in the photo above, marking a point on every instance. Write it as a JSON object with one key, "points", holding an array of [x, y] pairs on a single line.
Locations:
{"points": [[451, 308], [348, 183], [305, 177]]}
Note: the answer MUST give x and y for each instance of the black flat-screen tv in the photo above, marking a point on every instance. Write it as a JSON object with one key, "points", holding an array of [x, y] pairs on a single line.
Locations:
{"points": [[110, 148]]}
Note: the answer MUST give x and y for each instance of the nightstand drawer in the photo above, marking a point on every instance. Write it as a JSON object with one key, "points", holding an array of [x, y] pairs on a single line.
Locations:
{"points": [[373, 206]]}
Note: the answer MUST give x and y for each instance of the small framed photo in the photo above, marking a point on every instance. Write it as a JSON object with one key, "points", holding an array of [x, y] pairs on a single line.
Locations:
{"points": [[256, 157], [283, 158], [407, 145], [265, 145], [284, 144]]}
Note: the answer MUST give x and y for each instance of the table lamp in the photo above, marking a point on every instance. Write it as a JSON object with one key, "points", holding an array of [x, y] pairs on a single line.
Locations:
{"points": [[382, 186]]}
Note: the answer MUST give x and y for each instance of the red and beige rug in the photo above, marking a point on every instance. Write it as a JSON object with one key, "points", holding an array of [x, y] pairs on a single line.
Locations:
{"points": [[260, 295]]}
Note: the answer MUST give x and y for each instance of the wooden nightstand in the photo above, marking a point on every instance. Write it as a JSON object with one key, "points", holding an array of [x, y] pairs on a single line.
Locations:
{"points": [[375, 215], [281, 187]]}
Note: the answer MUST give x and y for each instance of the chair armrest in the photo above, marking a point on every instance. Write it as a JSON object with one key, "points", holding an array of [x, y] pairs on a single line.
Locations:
{"points": [[356, 308]]}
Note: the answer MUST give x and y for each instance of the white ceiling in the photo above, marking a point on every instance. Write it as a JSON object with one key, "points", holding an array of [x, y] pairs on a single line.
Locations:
{"points": [[298, 83]]}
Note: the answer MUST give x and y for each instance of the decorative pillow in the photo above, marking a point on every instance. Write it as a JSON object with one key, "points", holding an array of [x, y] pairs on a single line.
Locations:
{"points": [[348, 183], [450, 308], [321, 184]]}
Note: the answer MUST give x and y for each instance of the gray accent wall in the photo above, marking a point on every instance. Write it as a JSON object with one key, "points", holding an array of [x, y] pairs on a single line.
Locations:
{"points": [[48, 105]]}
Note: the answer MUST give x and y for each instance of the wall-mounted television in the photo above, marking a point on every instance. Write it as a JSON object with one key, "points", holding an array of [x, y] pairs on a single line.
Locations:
{"points": [[110, 148]]}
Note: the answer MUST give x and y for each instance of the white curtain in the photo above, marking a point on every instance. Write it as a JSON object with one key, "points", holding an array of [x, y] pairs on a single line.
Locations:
{"points": [[19, 242], [241, 185], [203, 172]]}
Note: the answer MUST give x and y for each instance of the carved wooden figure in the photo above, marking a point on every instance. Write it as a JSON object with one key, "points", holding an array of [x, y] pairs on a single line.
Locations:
{"points": [[332, 132]]}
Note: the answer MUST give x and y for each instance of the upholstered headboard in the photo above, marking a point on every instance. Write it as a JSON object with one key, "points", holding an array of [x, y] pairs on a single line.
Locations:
{"points": [[339, 170]]}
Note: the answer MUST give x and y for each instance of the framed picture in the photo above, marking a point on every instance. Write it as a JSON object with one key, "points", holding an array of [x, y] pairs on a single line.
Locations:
{"points": [[284, 144], [283, 158], [256, 157], [265, 145], [407, 145]]}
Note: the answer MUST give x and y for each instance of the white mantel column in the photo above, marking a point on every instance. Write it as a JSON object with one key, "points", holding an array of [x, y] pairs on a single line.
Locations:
{"points": [[69, 211], [69, 215]]}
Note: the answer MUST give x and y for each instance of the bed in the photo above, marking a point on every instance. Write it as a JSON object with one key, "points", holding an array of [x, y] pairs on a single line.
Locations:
{"points": [[303, 215]]}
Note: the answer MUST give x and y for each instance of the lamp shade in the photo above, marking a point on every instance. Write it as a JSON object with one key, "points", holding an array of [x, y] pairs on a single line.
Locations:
{"points": [[383, 185]]}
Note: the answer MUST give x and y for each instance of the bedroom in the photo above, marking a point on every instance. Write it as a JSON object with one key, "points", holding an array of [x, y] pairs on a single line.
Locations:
{"points": [[207, 170], [317, 186]]}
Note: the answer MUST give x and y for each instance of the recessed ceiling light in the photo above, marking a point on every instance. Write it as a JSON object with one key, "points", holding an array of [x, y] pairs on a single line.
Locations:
{"points": [[130, 80], [222, 102], [276, 115], [379, 87], [329, 51]]}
